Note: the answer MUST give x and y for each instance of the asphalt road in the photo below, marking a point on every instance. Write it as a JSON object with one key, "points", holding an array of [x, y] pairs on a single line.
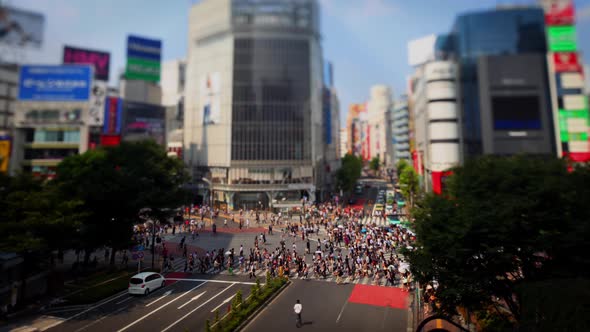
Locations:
{"points": [[180, 306], [326, 307]]}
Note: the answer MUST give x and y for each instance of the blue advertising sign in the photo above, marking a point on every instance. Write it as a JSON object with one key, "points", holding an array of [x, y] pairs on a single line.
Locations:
{"points": [[55, 83], [143, 48]]}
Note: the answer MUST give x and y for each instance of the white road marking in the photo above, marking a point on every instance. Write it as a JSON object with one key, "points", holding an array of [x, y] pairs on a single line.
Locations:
{"points": [[194, 298], [83, 312], [222, 303], [341, 311], [125, 300], [103, 317], [158, 299], [197, 308], [159, 308], [215, 281]]}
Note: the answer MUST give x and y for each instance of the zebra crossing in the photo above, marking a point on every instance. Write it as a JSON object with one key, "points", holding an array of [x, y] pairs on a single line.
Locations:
{"points": [[178, 266], [294, 275], [374, 220]]}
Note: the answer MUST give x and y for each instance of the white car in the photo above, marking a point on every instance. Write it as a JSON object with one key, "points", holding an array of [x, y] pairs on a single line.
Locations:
{"points": [[145, 282]]}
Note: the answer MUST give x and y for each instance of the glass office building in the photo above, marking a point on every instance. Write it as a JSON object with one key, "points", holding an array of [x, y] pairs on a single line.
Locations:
{"points": [[475, 40], [253, 113]]}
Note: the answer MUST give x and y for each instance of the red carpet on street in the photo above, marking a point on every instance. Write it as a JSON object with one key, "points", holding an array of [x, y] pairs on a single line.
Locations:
{"points": [[379, 296], [359, 204]]}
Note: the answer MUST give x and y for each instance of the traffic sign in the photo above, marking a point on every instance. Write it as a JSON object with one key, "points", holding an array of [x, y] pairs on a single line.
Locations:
{"points": [[138, 248], [140, 255]]}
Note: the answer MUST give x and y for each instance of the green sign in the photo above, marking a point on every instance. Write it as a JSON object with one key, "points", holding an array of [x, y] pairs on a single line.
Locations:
{"points": [[141, 69], [562, 38]]}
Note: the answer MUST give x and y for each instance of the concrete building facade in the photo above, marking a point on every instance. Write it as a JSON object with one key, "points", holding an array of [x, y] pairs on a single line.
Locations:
{"points": [[253, 107]]}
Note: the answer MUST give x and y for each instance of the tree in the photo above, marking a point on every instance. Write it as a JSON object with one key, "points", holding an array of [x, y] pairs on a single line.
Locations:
{"points": [[349, 172], [503, 229], [118, 185], [374, 164], [33, 218], [409, 182], [34, 223], [400, 166]]}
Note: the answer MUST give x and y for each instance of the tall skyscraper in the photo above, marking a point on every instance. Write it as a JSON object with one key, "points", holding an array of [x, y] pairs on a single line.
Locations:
{"points": [[378, 108], [253, 120], [485, 92]]}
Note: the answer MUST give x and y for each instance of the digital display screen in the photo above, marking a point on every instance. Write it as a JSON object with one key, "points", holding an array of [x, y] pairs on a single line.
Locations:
{"points": [[516, 113], [562, 38]]}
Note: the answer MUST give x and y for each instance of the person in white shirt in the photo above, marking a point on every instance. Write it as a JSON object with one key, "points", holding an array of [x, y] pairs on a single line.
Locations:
{"points": [[298, 308]]}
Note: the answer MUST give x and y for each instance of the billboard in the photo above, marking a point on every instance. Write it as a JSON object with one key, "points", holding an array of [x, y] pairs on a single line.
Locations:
{"points": [[562, 38], [100, 60], [97, 103], [110, 140], [20, 28], [558, 12], [143, 59], [112, 116], [566, 61], [211, 98], [46, 115], [55, 83], [143, 121], [5, 145]]}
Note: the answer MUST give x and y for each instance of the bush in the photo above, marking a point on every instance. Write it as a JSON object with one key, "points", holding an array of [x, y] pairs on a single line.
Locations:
{"points": [[241, 310]]}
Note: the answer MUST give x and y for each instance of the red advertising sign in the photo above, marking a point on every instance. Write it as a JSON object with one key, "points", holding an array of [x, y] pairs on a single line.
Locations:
{"points": [[110, 140], [112, 118], [100, 60], [566, 62], [558, 12]]}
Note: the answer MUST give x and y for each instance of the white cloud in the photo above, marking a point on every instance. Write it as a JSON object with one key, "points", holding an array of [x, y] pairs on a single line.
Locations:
{"points": [[583, 13]]}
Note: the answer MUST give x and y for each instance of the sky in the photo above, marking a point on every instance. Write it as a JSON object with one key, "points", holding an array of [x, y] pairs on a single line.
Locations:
{"points": [[366, 40]]}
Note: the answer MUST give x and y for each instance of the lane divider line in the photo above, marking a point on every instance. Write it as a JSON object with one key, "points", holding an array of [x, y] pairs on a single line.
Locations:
{"points": [[197, 308], [159, 308]]}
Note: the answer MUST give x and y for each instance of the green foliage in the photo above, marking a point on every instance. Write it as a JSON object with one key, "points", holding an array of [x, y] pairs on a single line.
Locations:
{"points": [[375, 163], [238, 298], [240, 313], [349, 172], [255, 291], [401, 165], [207, 326], [502, 229], [34, 218], [116, 185], [218, 326], [409, 185], [492, 321]]}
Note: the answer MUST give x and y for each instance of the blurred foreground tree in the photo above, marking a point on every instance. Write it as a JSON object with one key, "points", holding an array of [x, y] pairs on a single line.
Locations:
{"points": [[505, 231], [117, 185], [400, 166], [409, 183], [374, 164], [349, 172]]}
